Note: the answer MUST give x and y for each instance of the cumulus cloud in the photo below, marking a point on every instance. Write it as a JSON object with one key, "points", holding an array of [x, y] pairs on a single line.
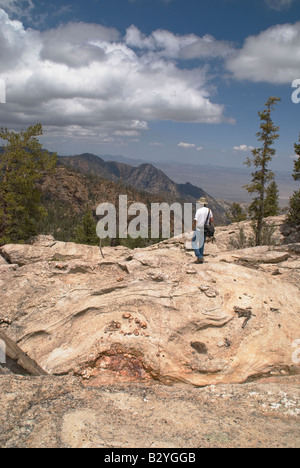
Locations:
{"points": [[76, 44], [166, 44], [20, 8], [272, 56], [243, 148], [86, 76], [15, 43]]}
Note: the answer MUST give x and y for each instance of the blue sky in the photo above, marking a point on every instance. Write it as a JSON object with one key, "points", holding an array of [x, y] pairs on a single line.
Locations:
{"points": [[159, 80]]}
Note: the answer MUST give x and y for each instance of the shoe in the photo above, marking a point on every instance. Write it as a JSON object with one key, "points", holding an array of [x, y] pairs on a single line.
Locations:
{"points": [[199, 260]]}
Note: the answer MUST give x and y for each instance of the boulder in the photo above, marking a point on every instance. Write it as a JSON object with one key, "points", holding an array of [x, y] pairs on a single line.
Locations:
{"points": [[120, 336], [151, 315], [45, 248], [24, 254], [267, 256]]}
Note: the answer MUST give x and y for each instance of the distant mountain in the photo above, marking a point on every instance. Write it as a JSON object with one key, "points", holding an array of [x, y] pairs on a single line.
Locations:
{"points": [[224, 182], [145, 178], [123, 159], [68, 193]]}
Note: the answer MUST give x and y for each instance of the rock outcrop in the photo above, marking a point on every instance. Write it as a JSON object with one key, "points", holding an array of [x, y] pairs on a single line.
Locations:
{"points": [[58, 412], [152, 314], [138, 319]]}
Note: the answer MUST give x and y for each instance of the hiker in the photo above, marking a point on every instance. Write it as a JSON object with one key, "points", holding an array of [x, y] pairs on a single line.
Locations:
{"points": [[204, 217]]}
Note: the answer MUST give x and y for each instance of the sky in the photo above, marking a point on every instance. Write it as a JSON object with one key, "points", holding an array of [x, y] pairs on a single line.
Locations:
{"points": [[157, 80]]}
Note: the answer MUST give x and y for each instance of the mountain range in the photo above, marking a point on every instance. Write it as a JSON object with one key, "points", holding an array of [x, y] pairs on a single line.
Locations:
{"points": [[144, 178]]}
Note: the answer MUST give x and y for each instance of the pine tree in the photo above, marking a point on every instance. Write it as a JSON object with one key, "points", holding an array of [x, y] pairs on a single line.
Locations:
{"points": [[262, 175], [86, 231], [296, 173], [272, 200], [236, 213], [294, 211], [21, 166]]}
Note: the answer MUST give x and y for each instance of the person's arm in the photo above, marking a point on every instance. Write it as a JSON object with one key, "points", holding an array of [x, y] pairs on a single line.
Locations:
{"points": [[194, 225], [211, 221]]}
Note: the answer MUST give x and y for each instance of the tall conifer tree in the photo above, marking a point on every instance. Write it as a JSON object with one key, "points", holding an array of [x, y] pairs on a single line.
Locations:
{"points": [[22, 165], [262, 175]]}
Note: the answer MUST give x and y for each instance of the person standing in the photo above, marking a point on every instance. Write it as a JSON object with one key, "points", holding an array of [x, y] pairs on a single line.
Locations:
{"points": [[203, 217]]}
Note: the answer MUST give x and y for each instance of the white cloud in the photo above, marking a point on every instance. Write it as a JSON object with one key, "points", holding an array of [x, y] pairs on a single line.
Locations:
{"points": [[77, 44], [186, 145], [19, 8], [243, 148], [279, 4], [166, 44], [85, 76], [272, 56]]}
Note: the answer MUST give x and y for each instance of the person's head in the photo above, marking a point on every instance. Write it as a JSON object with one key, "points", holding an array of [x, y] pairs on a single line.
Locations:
{"points": [[202, 201]]}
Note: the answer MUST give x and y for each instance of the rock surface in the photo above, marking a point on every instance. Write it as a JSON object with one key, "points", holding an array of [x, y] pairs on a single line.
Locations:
{"points": [[151, 313], [126, 324], [58, 412]]}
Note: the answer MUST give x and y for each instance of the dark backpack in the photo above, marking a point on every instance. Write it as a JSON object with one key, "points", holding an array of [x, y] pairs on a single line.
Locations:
{"points": [[209, 230]]}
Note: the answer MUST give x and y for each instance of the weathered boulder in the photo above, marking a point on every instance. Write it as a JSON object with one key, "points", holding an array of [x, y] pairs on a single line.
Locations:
{"points": [[265, 257], [151, 314], [256, 255], [47, 251]]}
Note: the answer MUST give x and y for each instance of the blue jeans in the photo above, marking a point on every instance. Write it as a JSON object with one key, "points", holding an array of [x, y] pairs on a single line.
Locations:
{"points": [[198, 243]]}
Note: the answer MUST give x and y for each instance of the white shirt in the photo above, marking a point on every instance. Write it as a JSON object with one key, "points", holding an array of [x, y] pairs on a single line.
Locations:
{"points": [[201, 216]]}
